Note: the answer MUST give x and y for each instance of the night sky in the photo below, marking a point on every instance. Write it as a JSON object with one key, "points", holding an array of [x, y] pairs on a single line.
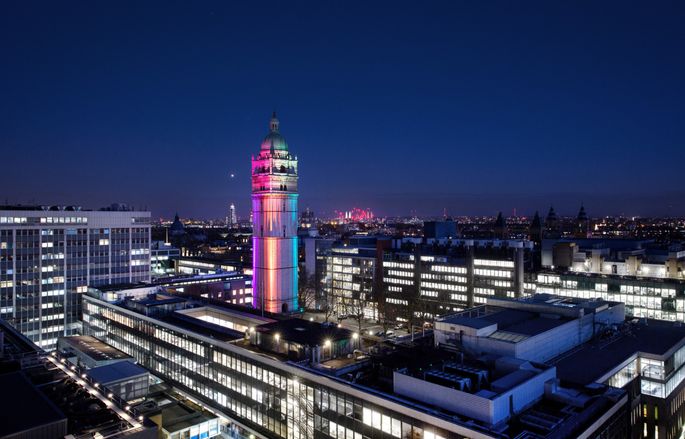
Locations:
{"points": [[474, 107]]}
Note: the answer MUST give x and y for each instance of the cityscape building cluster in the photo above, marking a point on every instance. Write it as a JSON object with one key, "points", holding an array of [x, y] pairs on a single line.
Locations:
{"points": [[353, 327]]}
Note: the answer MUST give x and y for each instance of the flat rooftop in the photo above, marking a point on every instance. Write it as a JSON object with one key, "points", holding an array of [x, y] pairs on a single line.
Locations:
{"points": [[305, 332], [116, 372], [225, 317], [511, 321], [518, 319], [180, 416], [486, 377], [601, 355], [157, 299], [94, 348]]}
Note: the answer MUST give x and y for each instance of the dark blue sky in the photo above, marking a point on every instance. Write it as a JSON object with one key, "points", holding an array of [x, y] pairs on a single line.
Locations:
{"points": [[475, 107]]}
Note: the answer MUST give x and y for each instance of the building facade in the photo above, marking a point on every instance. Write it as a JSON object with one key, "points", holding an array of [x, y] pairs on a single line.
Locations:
{"points": [[433, 280], [274, 232], [49, 256], [269, 397], [243, 366], [653, 298]]}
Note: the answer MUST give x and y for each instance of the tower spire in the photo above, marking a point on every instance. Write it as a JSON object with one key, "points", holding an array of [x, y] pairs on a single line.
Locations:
{"points": [[273, 125]]}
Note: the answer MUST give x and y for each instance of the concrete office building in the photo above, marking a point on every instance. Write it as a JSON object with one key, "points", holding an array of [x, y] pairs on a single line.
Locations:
{"points": [[589, 342], [432, 279], [50, 255]]}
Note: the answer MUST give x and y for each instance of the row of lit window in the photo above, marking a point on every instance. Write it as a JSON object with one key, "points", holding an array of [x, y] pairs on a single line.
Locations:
{"points": [[491, 273], [442, 286], [493, 263], [448, 269]]}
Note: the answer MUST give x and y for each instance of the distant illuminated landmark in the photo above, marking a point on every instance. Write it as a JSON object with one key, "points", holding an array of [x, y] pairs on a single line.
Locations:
{"points": [[274, 229]]}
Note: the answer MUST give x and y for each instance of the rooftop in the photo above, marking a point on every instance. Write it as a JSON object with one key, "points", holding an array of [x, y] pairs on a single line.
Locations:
{"points": [[602, 355], [512, 324], [94, 348], [305, 332], [116, 372]]}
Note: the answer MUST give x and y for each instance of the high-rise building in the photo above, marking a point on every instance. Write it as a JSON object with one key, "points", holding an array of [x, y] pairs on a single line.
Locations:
{"points": [[232, 218], [274, 230], [51, 255]]}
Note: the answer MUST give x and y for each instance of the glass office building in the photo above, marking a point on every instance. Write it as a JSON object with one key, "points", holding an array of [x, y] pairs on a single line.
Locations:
{"points": [[49, 256]]}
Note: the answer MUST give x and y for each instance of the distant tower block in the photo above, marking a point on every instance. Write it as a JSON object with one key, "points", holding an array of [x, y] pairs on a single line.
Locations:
{"points": [[232, 219], [274, 229]]}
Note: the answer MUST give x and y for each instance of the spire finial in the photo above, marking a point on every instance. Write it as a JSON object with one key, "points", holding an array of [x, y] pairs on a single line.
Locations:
{"points": [[273, 125]]}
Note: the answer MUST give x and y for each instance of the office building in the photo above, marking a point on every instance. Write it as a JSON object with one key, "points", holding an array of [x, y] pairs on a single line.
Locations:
{"points": [[411, 280], [645, 276], [290, 378], [350, 281], [623, 257], [163, 256], [654, 298], [229, 287], [590, 343], [646, 358], [198, 265], [274, 231], [50, 255], [536, 328]]}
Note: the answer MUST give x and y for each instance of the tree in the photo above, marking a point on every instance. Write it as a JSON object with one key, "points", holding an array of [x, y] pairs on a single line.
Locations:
{"points": [[307, 293], [355, 309]]}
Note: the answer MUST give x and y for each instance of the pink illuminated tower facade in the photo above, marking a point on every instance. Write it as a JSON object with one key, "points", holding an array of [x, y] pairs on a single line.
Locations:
{"points": [[274, 229]]}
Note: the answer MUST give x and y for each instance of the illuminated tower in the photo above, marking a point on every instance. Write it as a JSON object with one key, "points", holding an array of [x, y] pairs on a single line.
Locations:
{"points": [[274, 229], [232, 218]]}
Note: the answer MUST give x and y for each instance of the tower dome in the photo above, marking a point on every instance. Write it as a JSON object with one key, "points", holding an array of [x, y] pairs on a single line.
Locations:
{"points": [[274, 140]]}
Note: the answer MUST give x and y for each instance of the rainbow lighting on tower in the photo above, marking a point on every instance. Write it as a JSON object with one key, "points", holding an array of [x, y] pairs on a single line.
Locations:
{"points": [[274, 229]]}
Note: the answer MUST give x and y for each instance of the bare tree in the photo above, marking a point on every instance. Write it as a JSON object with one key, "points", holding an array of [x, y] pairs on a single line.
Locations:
{"points": [[328, 304], [355, 308], [307, 293]]}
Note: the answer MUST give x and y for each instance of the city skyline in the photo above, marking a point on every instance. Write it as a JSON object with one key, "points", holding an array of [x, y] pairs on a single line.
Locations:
{"points": [[466, 108]]}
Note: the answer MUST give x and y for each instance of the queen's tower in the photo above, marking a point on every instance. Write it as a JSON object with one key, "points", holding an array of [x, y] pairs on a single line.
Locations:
{"points": [[274, 230]]}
